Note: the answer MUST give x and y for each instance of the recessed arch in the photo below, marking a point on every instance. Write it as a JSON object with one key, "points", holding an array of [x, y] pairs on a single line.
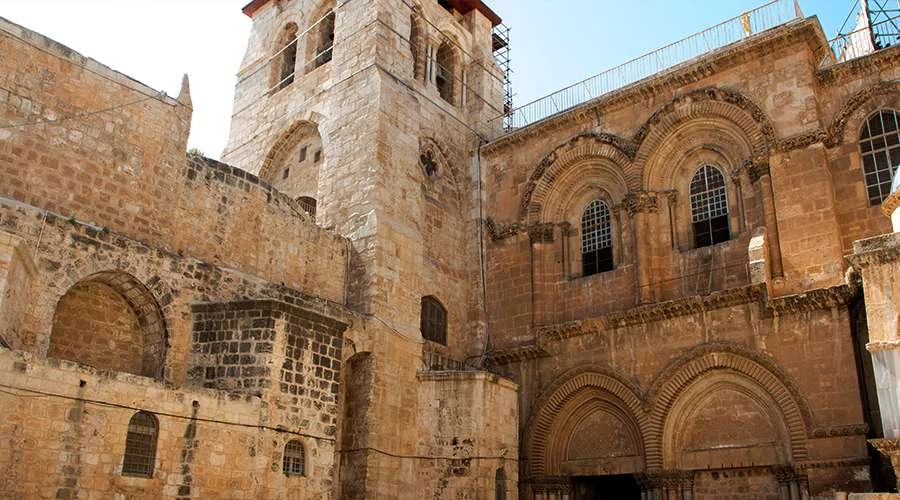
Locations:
{"points": [[294, 160], [599, 159], [718, 357], [849, 120], [717, 106], [597, 386], [110, 320]]}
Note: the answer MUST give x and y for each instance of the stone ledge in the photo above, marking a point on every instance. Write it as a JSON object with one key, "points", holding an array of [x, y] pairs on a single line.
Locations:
{"points": [[881, 249], [468, 375]]}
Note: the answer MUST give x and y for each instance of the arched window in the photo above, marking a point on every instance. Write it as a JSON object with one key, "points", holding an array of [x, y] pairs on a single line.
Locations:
{"points": [[286, 58], [445, 71], [709, 207], [308, 204], [140, 445], [434, 320], [500, 484], [426, 160], [294, 461], [324, 39], [596, 239], [879, 144]]}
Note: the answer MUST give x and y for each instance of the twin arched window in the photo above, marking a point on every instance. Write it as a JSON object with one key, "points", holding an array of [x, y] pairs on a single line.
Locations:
{"points": [[596, 239], [140, 445], [293, 462], [709, 207], [879, 146]]}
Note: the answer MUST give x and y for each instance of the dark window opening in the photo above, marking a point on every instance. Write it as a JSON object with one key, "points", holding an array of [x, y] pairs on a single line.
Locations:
{"points": [[325, 46], [317, 156], [596, 239], [302, 156], [428, 164], [434, 321], [284, 175], [140, 445], [308, 204], [287, 57], [500, 484], [293, 463], [879, 145], [709, 207], [444, 74], [446, 5]]}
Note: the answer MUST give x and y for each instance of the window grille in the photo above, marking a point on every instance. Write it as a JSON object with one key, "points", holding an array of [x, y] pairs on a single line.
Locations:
{"points": [[879, 145], [294, 462], [308, 204], [596, 239], [709, 207], [140, 445], [434, 321]]}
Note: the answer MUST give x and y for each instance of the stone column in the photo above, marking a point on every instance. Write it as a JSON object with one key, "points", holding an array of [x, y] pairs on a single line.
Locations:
{"points": [[759, 175], [792, 485], [651, 485], [640, 206]]}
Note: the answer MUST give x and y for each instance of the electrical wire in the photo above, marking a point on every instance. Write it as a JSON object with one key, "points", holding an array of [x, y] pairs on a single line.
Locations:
{"points": [[79, 116]]}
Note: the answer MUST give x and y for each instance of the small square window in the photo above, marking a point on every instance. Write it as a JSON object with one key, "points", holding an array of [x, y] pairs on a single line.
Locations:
{"points": [[302, 156], [284, 175], [317, 156]]}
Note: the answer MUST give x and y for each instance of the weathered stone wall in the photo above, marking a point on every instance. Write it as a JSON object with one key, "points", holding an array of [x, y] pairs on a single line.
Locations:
{"points": [[16, 273], [93, 168]]}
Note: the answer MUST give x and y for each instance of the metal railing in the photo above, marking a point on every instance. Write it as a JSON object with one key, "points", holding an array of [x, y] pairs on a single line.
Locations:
{"points": [[880, 35], [762, 18]]}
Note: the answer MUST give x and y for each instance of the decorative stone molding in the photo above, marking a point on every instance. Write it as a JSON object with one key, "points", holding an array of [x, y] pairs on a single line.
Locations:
{"points": [[738, 359], [835, 132], [561, 331], [890, 448], [840, 431], [878, 250], [640, 202], [288, 139], [831, 464], [870, 64], [757, 170], [541, 233], [891, 203], [501, 231], [515, 355], [802, 141], [883, 345], [682, 307], [813, 300]]}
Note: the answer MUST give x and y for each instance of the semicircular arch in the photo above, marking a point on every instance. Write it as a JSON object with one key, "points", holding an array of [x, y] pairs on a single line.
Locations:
{"points": [[286, 141]]}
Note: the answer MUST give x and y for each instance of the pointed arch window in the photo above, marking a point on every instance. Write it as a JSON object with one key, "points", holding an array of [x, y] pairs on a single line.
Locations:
{"points": [[709, 207], [286, 58], [140, 445], [445, 71], [294, 460], [879, 145], [325, 42], [434, 320], [596, 239]]}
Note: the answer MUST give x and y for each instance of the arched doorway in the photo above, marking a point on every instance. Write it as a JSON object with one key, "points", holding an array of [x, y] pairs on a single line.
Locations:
{"points": [[586, 441]]}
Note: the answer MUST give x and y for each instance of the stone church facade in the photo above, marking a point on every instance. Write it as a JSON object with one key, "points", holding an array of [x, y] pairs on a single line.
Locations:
{"points": [[681, 289]]}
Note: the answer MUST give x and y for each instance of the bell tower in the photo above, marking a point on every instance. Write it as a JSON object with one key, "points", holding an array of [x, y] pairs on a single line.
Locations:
{"points": [[371, 115]]}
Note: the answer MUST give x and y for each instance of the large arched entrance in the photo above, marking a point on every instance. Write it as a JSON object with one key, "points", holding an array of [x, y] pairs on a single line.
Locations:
{"points": [[586, 441]]}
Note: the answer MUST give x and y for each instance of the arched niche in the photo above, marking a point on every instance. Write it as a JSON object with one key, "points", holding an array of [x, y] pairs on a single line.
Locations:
{"points": [[293, 163], [110, 321]]}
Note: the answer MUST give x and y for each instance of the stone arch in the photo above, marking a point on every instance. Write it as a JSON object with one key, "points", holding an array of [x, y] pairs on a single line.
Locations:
{"points": [[726, 105], [110, 302], [298, 149], [847, 123], [752, 367], [320, 37], [446, 166], [573, 389], [610, 156], [284, 57]]}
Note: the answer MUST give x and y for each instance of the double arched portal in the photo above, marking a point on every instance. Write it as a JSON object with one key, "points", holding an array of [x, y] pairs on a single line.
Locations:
{"points": [[722, 412]]}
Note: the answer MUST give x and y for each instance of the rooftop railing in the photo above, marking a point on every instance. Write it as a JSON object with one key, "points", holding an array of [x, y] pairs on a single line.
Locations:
{"points": [[881, 34], [762, 18]]}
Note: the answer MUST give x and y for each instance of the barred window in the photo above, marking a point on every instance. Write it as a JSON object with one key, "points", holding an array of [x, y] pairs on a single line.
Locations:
{"points": [[434, 320], [879, 145], [294, 462], [140, 445], [596, 239], [308, 204], [709, 207]]}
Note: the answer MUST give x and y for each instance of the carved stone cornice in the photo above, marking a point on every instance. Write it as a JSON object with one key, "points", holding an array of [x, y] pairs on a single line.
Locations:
{"points": [[802, 141], [540, 233], [760, 45], [831, 464], [853, 69], [501, 231], [785, 473], [875, 251], [757, 170], [561, 331], [835, 132], [515, 355], [651, 313], [890, 204], [887, 447], [640, 202], [883, 345], [840, 431], [813, 300]]}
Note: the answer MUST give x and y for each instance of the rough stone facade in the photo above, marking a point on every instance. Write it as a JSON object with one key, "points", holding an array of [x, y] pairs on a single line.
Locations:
{"points": [[265, 312]]}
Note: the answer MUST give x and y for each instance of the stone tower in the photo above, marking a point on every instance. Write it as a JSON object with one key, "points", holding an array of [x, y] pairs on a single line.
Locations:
{"points": [[371, 114]]}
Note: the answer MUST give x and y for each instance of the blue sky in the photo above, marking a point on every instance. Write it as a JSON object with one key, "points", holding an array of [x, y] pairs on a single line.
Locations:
{"points": [[554, 43]]}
